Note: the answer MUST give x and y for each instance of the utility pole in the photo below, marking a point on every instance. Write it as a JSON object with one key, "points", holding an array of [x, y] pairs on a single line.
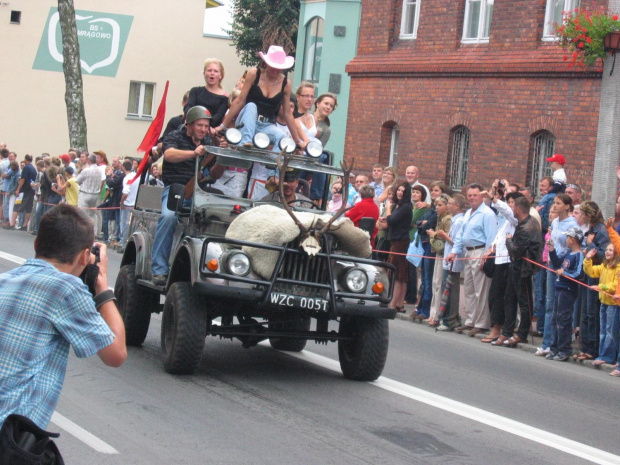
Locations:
{"points": [[604, 180]]}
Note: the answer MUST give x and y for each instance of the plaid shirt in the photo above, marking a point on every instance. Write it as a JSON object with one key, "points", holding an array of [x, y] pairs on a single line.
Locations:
{"points": [[42, 312]]}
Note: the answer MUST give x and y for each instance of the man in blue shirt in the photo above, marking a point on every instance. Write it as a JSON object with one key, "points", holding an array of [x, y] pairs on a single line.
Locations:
{"points": [[475, 237], [29, 174], [45, 308]]}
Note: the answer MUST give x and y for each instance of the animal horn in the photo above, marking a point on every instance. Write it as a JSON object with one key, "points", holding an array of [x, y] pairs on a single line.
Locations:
{"points": [[283, 160]]}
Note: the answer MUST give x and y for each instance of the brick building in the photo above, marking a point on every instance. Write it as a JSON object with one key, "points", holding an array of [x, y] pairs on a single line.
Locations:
{"points": [[470, 90]]}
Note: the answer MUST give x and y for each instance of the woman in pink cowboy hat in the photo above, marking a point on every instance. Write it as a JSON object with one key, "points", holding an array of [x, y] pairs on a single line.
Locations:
{"points": [[265, 89]]}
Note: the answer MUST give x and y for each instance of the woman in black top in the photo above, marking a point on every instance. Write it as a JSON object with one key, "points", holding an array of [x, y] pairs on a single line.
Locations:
{"points": [[264, 91], [211, 96], [399, 222]]}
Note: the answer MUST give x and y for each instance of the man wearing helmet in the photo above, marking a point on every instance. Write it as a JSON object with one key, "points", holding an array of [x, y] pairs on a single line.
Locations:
{"points": [[180, 149]]}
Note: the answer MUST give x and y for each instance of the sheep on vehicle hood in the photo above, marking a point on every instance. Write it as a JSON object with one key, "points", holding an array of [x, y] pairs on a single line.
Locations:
{"points": [[269, 224]]}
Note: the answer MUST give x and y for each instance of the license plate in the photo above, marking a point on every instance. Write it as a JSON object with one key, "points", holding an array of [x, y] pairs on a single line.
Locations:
{"points": [[308, 303]]}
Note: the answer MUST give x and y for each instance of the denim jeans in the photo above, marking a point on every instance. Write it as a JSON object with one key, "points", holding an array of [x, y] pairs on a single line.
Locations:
{"points": [[162, 244], [42, 208], [5, 206], [318, 180], [588, 329], [540, 280], [562, 322], [610, 325], [124, 226], [549, 328], [428, 266], [248, 117]]}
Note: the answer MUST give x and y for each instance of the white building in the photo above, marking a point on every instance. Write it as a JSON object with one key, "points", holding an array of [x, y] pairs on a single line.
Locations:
{"points": [[128, 50]]}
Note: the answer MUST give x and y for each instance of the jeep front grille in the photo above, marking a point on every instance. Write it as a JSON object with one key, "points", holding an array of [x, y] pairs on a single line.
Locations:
{"points": [[299, 266]]}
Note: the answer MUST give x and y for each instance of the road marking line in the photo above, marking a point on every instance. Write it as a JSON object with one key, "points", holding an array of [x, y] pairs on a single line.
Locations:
{"points": [[83, 435], [12, 258], [473, 413], [63, 422], [458, 408]]}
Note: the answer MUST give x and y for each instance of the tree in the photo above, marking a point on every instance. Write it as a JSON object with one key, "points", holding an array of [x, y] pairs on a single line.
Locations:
{"points": [[74, 98], [257, 24]]}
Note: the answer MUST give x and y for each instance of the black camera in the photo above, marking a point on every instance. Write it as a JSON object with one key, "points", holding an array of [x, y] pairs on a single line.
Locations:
{"points": [[91, 272], [500, 184]]}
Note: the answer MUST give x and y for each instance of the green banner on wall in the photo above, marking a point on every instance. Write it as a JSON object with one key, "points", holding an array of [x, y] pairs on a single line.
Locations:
{"points": [[102, 38]]}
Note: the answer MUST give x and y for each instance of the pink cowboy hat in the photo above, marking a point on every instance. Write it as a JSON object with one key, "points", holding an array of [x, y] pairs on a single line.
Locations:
{"points": [[276, 58]]}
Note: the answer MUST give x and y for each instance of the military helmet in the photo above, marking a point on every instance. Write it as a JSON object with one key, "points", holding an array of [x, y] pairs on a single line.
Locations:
{"points": [[197, 112]]}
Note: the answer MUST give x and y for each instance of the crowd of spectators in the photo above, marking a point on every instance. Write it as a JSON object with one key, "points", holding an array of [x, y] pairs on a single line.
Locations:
{"points": [[31, 188], [547, 269]]}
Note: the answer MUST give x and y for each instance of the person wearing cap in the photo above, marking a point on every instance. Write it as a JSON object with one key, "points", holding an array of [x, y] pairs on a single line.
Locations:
{"points": [[559, 175], [291, 196], [265, 90], [180, 148], [568, 264], [66, 161]]}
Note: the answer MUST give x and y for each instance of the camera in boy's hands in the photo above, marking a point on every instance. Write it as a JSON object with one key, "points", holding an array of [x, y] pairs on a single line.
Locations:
{"points": [[91, 271]]}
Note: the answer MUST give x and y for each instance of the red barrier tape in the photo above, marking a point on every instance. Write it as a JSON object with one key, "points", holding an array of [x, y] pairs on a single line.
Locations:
{"points": [[497, 256]]}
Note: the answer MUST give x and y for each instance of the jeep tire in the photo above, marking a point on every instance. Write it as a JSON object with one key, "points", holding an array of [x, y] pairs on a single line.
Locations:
{"points": [[363, 356], [290, 344], [183, 329], [134, 304]]}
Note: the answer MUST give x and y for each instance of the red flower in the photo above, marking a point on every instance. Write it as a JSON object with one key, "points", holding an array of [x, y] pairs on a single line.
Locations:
{"points": [[614, 18], [580, 45], [589, 40], [565, 57]]}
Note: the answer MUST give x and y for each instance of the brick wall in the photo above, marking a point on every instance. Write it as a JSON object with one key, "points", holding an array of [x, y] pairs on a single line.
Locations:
{"points": [[503, 91]]}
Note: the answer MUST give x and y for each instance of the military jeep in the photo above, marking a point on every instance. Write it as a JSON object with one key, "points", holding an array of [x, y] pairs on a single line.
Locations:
{"points": [[213, 287]]}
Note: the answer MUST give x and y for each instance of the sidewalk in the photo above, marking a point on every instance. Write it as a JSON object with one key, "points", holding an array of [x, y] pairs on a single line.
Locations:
{"points": [[529, 347]]}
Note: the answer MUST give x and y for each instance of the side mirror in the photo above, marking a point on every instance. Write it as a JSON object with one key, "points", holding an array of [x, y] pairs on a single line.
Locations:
{"points": [[176, 193]]}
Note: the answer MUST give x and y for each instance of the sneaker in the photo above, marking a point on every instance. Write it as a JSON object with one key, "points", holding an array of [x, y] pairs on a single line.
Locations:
{"points": [[160, 279], [443, 327], [540, 352], [561, 358], [551, 356]]}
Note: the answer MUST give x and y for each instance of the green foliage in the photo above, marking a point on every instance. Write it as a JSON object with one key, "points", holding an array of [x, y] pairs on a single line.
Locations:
{"points": [[257, 24]]}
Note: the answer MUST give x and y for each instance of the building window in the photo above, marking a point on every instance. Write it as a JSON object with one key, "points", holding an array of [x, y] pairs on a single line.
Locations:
{"points": [[140, 104], [542, 146], [16, 17], [477, 24], [313, 49], [458, 157], [394, 134], [554, 15], [410, 19]]}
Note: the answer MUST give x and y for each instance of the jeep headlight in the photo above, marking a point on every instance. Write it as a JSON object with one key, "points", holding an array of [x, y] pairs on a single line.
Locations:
{"points": [[236, 262], [355, 280]]}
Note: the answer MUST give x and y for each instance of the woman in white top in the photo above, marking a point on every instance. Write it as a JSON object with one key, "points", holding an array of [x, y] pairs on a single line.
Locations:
{"points": [[305, 99]]}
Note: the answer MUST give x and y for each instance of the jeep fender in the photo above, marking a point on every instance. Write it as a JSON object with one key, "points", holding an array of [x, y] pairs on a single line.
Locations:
{"points": [[138, 252], [185, 266]]}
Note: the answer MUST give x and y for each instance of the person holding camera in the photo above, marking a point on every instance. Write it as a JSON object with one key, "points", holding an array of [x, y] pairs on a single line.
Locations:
{"points": [[45, 308]]}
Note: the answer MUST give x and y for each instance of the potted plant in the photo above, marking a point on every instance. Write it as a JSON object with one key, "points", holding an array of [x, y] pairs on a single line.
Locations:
{"points": [[582, 33]]}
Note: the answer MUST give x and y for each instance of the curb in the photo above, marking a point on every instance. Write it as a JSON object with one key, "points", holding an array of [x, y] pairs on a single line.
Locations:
{"points": [[531, 348]]}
